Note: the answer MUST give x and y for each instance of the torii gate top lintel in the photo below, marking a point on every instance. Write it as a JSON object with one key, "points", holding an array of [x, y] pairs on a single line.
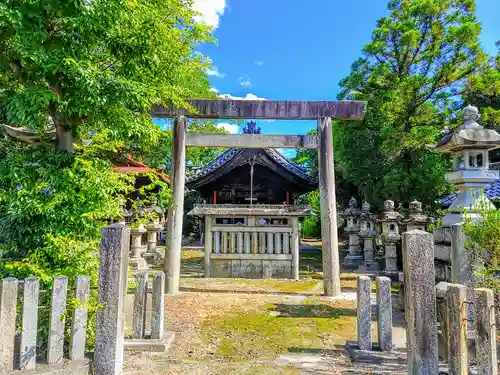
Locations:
{"points": [[267, 109]]}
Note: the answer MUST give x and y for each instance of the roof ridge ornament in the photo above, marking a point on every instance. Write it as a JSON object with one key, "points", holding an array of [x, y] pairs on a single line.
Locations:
{"points": [[471, 115], [251, 128]]}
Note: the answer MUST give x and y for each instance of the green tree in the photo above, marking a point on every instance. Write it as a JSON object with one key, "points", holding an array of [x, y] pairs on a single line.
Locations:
{"points": [[93, 65], [419, 56]]}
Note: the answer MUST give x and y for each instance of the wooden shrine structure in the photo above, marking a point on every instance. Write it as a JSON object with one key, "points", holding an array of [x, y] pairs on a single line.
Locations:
{"points": [[251, 216], [323, 112]]}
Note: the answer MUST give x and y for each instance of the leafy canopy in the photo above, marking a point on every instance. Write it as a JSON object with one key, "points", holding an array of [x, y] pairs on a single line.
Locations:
{"points": [[410, 73]]}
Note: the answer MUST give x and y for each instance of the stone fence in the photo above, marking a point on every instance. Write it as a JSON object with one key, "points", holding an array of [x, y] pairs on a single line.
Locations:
{"points": [[437, 318], [21, 311]]}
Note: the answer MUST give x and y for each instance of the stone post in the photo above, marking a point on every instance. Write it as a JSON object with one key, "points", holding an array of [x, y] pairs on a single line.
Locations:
{"points": [[79, 320], [295, 248], [137, 262], [457, 326], [364, 312], [420, 303], [486, 345], [208, 244], [158, 314], [140, 305], [27, 355], [331, 267], [55, 347], [176, 209], [110, 330], [384, 313], [8, 304]]}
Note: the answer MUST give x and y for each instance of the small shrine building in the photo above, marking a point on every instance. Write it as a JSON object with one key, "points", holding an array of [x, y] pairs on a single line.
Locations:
{"points": [[251, 212]]}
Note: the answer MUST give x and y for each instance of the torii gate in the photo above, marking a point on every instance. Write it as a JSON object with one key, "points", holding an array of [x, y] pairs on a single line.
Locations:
{"points": [[322, 111]]}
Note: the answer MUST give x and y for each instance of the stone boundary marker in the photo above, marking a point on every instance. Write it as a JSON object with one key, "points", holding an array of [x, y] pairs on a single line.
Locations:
{"points": [[25, 357]]}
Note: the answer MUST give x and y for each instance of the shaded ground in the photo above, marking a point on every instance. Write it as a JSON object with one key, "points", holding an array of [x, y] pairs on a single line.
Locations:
{"points": [[241, 326]]}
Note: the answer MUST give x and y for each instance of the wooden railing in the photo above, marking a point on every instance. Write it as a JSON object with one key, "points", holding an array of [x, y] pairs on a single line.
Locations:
{"points": [[251, 240]]}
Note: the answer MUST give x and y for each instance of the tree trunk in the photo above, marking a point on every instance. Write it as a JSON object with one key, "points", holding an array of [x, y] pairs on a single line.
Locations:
{"points": [[64, 136]]}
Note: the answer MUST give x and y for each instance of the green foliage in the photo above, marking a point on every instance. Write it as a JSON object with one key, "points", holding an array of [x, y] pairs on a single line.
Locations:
{"points": [[94, 65], [409, 72], [483, 91], [484, 245]]}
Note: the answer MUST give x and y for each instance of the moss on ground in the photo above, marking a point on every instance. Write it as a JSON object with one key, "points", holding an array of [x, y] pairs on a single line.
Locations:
{"points": [[275, 329]]}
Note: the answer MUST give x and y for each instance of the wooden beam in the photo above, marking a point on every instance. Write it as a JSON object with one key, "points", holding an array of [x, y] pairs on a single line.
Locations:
{"points": [[252, 141], [266, 109]]}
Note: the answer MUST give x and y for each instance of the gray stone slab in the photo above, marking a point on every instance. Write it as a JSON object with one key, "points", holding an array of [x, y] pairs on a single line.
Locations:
{"points": [[27, 350], [384, 313], [364, 313], [457, 325], [79, 319], [376, 355], [110, 329], [220, 268], [420, 302], [151, 345], [158, 309], [140, 305], [57, 321], [486, 345], [65, 367], [8, 304]]}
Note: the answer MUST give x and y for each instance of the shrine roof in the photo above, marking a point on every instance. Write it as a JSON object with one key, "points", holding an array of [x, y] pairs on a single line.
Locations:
{"points": [[234, 157]]}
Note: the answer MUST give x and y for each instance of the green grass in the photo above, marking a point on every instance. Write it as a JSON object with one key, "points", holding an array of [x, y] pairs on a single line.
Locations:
{"points": [[278, 329]]}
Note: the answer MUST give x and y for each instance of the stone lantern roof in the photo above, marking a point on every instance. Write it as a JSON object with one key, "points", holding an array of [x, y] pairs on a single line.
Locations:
{"points": [[470, 135]]}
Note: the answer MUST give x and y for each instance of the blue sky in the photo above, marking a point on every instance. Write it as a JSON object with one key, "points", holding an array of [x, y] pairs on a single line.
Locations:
{"points": [[287, 50]]}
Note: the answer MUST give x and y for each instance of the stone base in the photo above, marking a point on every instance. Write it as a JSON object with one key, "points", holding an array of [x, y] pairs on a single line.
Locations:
{"points": [[250, 266], [67, 367], [375, 355], [138, 264], [393, 275], [373, 266], [152, 258], [353, 261], [150, 345]]}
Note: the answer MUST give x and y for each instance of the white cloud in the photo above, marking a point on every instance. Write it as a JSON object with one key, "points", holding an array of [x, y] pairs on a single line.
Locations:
{"points": [[245, 81], [214, 72], [213, 89], [258, 62], [248, 96], [231, 128], [210, 11]]}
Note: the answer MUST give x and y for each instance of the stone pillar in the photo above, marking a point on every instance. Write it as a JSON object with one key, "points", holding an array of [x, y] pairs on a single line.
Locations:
{"points": [[176, 209], [137, 262], [151, 255], [384, 313], [158, 313], [110, 332], [140, 305], [364, 312], [486, 343], [27, 355], [295, 248], [57, 321], [208, 244], [331, 267], [457, 339], [420, 303], [79, 320], [8, 304]]}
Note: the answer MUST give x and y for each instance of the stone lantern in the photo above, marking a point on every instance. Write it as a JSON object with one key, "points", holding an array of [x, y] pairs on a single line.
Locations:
{"points": [[390, 237], [151, 255], [416, 219], [136, 261], [469, 144], [352, 213], [367, 232]]}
